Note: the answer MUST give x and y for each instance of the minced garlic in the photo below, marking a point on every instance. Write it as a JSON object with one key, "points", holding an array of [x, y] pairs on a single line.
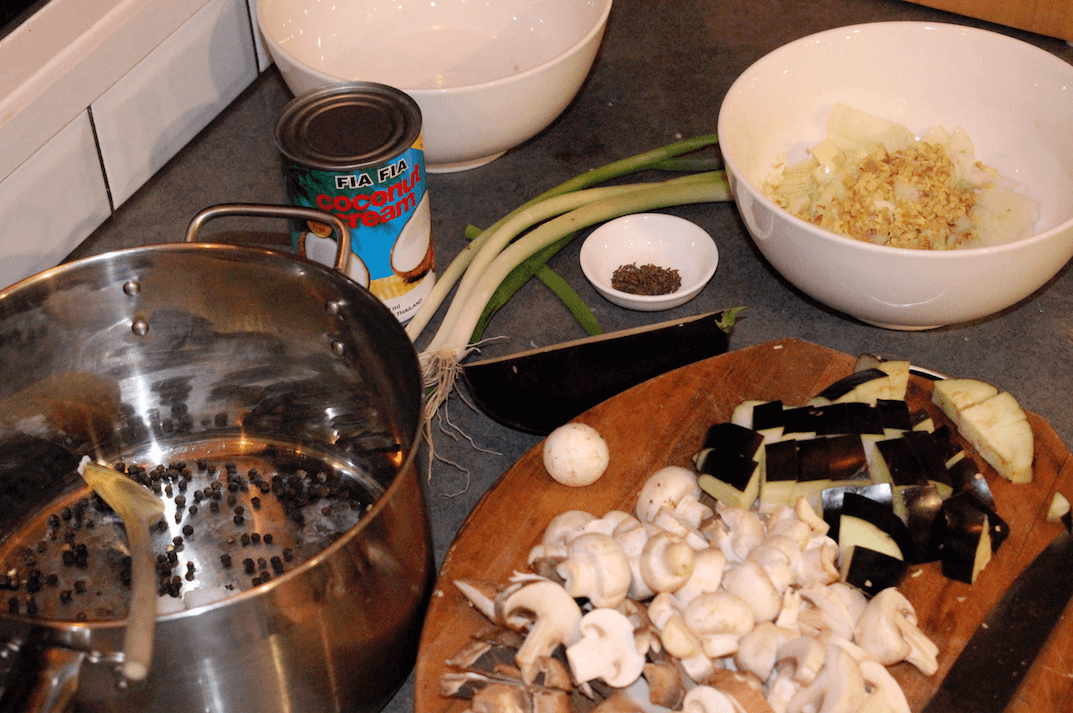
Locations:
{"points": [[873, 181], [909, 198]]}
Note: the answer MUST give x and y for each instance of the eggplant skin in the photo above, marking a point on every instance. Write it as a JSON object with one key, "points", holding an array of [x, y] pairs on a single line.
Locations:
{"points": [[847, 384], [872, 571], [883, 517], [958, 536]]}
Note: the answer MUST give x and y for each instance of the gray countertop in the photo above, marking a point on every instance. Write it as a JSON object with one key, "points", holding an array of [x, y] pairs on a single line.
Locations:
{"points": [[661, 75]]}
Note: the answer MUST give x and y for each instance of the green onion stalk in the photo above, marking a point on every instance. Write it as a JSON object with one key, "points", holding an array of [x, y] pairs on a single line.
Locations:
{"points": [[531, 234]]}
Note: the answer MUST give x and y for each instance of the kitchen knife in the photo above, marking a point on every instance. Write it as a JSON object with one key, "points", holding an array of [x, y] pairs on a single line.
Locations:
{"points": [[540, 389], [989, 670]]}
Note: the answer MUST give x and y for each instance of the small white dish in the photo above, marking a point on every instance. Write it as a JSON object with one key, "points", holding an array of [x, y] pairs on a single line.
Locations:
{"points": [[665, 241]]}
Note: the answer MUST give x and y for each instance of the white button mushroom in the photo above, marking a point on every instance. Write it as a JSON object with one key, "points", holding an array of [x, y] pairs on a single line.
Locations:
{"points": [[839, 688], [719, 619], [705, 699], [888, 630], [666, 488], [666, 562], [708, 567], [575, 454], [563, 527], [596, 569], [606, 650], [557, 618], [749, 581]]}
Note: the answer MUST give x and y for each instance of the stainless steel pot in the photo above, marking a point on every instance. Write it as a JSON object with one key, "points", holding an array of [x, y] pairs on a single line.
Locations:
{"points": [[200, 352]]}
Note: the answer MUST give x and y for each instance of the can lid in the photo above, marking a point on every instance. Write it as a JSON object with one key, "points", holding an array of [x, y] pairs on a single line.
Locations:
{"points": [[348, 125]]}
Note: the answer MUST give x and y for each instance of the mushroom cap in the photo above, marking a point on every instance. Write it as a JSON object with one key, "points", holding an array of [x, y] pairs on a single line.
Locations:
{"points": [[596, 568], [666, 488], [750, 582], [666, 562], [719, 613], [575, 454]]}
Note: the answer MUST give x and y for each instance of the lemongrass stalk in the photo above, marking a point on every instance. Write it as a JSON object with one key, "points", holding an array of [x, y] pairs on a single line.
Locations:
{"points": [[446, 281], [703, 188]]}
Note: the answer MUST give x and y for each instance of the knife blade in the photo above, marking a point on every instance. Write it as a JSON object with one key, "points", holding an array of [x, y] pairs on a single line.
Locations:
{"points": [[987, 673], [540, 389]]}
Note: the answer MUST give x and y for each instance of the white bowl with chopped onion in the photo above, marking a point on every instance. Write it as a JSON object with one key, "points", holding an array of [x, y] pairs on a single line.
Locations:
{"points": [[649, 261], [872, 101]]}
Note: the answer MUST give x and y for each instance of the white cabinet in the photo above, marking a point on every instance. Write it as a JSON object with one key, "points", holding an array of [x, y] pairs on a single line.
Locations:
{"points": [[51, 202], [167, 98], [152, 72]]}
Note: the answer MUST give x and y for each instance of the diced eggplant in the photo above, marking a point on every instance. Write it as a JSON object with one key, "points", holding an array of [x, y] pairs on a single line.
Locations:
{"points": [[953, 396], [872, 571], [831, 499], [768, 415], [894, 414], [963, 537], [882, 517], [922, 504], [921, 420], [836, 458], [731, 464], [931, 455], [999, 430], [898, 372], [845, 386], [897, 463], [780, 473], [965, 476]]}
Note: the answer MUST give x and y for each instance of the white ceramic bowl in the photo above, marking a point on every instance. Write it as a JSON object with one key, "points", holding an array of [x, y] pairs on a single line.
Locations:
{"points": [[487, 74], [1014, 100], [659, 239]]}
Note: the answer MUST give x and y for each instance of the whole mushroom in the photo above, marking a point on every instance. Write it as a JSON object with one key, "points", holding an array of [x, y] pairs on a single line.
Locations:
{"points": [[596, 568], [575, 454]]}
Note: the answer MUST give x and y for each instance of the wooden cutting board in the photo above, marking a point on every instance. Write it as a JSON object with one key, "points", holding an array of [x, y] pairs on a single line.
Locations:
{"points": [[662, 422]]}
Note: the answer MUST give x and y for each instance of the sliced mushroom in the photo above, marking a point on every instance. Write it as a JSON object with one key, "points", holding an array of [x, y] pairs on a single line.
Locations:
{"points": [[705, 699], [606, 650], [839, 687], [888, 630], [555, 621]]}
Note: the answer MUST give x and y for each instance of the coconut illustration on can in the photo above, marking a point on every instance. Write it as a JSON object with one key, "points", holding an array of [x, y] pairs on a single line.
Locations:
{"points": [[354, 149]]}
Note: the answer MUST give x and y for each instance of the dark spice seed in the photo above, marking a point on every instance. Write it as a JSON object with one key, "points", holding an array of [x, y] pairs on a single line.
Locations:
{"points": [[268, 538], [255, 538], [188, 530], [249, 565], [225, 560], [646, 280], [245, 539]]}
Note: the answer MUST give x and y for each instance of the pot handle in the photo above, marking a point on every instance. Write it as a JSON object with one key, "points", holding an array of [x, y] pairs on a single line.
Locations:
{"points": [[45, 681], [339, 228]]}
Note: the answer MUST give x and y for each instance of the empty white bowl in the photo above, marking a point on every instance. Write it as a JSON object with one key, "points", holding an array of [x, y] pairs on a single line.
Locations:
{"points": [[487, 74], [1015, 102], [658, 239]]}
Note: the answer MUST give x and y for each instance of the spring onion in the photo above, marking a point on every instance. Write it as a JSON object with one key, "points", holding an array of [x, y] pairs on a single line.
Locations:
{"points": [[491, 257]]}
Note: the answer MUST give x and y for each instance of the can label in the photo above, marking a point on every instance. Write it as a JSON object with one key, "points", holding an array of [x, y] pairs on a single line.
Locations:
{"points": [[377, 189]]}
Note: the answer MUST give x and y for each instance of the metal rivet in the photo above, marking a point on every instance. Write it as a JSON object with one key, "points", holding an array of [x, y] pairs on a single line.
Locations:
{"points": [[338, 348], [333, 306], [132, 287], [140, 327]]}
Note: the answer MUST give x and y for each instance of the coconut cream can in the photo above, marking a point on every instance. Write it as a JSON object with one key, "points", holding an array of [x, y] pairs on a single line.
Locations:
{"points": [[354, 149]]}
